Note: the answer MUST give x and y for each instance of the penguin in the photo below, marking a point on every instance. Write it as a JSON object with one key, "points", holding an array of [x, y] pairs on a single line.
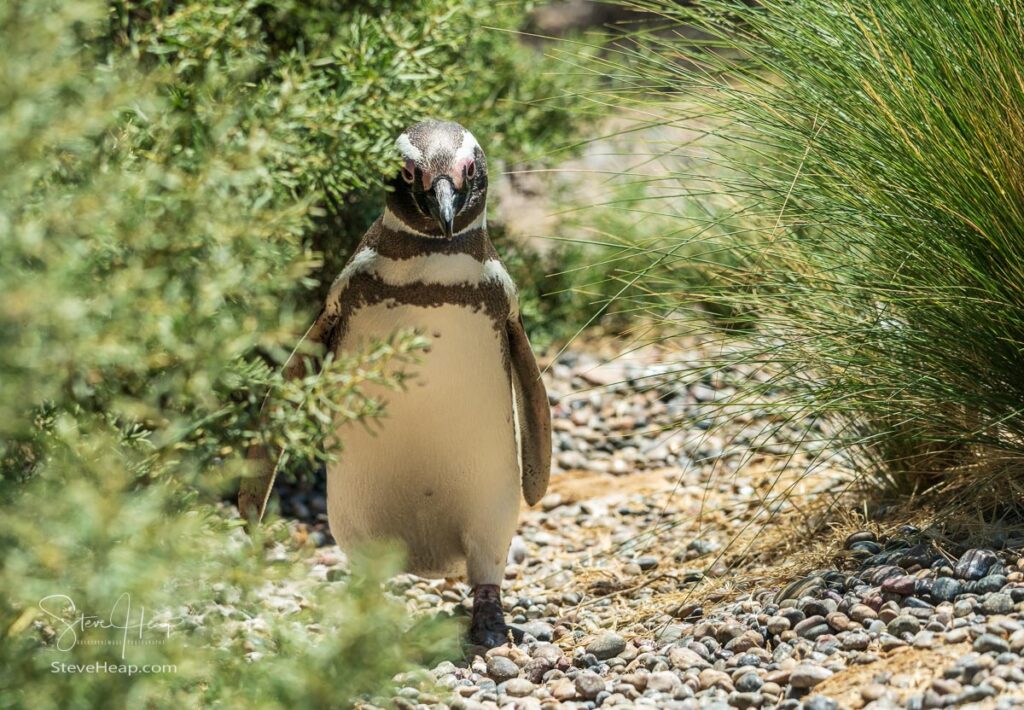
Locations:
{"points": [[442, 472]]}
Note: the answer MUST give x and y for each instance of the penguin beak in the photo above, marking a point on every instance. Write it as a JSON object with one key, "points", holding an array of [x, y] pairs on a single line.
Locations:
{"points": [[442, 207]]}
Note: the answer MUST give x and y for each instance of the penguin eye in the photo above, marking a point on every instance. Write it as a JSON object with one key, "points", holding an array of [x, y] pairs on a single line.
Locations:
{"points": [[407, 174], [471, 170]]}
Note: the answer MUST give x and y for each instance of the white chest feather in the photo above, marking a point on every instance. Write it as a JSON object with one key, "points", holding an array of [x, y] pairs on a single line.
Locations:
{"points": [[440, 471]]}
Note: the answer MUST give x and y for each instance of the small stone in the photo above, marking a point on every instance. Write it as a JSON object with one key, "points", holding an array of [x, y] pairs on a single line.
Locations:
{"points": [[990, 643], [589, 684], [812, 622], [749, 683], [974, 694], [997, 603], [963, 607], [538, 629], [637, 680], [518, 687], [820, 702], [777, 624], [647, 563], [946, 686], [501, 668], [1017, 641], [710, 678], [663, 682], [535, 669], [550, 502], [889, 642], [989, 583], [807, 675], [945, 589], [873, 692], [819, 607], [883, 572], [859, 536], [607, 645], [975, 564], [746, 700], [838, 621], [862, 613], [900, 585], [565, 689], [684, 659], [955, 635], [904, 624], [924, 639], [855, 640]]}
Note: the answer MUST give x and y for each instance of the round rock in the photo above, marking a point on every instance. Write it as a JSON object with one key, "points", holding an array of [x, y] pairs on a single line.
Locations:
{"points": [[501, 668], [589, 684], [807, 675], [607, 645]]}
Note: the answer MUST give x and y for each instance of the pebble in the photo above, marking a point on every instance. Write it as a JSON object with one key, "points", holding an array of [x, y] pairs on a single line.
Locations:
{"points": [[975, 563], [607, 645], [518, 687], [904, 624], [588, 685], [663, 682], [807, 675], [710, 678], [746, 700], [997, 604], [749, 682], [540, 630], [501, 668], [945, 589], [990, 643], [861, 613], [686, 659], [565, 689]]}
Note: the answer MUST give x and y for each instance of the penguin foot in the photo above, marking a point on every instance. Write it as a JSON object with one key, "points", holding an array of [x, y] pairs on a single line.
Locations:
{"points": [[487, 627]]}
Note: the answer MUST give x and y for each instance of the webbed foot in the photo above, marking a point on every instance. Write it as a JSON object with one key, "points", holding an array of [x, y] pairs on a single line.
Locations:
{"points": [[487, 626]]}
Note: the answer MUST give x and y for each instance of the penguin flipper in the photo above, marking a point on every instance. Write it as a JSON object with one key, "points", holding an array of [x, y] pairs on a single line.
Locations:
{"points": [[532, 411]]}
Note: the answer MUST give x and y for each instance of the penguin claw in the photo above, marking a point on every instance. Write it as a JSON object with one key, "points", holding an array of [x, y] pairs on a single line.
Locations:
{"points": [[488, 638], [488, 627]]}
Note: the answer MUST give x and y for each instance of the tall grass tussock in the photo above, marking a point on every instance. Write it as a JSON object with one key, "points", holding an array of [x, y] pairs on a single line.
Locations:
{"points": [[872, 152]]}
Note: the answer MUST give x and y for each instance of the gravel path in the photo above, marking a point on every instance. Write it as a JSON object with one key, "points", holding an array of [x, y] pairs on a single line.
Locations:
{"points": [[667, 567]]}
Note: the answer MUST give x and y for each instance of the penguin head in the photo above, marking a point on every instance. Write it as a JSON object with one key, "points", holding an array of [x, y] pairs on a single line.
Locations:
{"points": [[441, 188]]}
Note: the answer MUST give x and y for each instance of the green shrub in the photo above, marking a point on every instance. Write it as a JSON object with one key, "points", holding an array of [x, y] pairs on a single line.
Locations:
{"points": [[333, 84], [169, 169], [873, 150]]}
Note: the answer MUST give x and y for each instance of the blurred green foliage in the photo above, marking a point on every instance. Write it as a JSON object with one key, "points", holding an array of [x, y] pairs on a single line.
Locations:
{"points": [[171, 169], [334, 83]]}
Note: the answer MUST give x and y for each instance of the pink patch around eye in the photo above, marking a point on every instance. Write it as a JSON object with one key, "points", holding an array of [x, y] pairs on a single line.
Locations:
{"points": [[463, 169]]}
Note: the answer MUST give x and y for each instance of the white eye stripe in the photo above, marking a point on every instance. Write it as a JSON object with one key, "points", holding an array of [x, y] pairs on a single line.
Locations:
{"points": [[467, 150], [407, 149]]}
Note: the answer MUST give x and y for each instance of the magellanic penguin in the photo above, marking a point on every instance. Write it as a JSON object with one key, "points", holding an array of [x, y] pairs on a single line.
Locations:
{"points": [[443, 471]]}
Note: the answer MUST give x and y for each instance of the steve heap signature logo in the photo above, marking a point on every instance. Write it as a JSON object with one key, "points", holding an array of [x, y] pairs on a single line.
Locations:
{"points": [[124, 626]]}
